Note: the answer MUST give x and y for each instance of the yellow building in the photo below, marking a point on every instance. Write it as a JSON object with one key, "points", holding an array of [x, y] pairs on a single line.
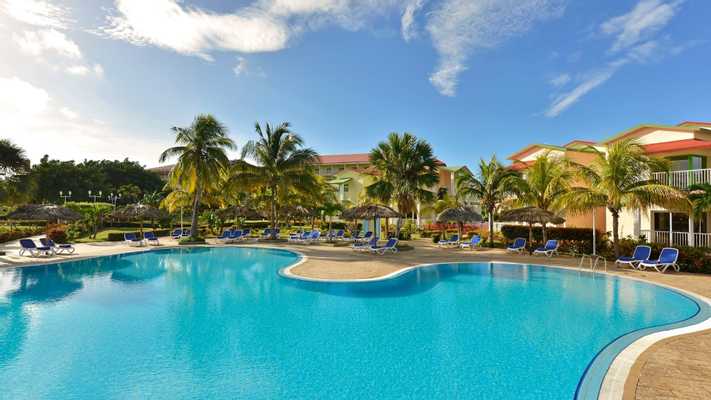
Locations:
{"points": [[687, 146]]}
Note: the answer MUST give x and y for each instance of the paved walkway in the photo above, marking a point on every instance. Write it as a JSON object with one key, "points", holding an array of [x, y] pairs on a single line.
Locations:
{"points": [[677, 368]]}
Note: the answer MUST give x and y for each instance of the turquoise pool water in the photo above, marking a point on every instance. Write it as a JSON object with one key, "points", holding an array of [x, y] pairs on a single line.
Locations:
{"points": [[222, 323]]}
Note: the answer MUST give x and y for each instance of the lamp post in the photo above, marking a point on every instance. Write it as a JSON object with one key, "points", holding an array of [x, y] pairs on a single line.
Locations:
{"points": [[65, 196], [95, 196], [113, 198]]}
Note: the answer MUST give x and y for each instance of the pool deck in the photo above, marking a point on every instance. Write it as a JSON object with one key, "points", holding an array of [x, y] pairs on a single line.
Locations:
{"points": [[674, 368]]}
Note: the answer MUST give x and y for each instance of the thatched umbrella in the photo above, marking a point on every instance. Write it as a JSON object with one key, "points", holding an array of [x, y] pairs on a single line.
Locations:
{"points": [[460, 215], [531, 215], [139, 212], [44, 212], [370, 211]]}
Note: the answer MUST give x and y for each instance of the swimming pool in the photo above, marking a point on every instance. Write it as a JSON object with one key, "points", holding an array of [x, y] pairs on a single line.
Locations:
{"points": [[222, 323]]}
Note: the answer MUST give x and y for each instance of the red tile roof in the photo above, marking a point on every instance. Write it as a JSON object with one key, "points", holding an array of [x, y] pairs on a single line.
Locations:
{"points": [[360, 158], [677, 145], [695, 123]]}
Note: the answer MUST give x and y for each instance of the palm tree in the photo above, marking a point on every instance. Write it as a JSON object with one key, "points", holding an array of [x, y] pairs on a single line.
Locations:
{"points": [[544, 184], [408, 170], [621, 179], [493, 185], [283, 166], [700, 198], [12, 158], [202, 159]]}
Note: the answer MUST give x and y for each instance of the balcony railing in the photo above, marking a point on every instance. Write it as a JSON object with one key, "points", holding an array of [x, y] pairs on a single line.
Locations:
{"points": [[682, 179], [679, 238]]}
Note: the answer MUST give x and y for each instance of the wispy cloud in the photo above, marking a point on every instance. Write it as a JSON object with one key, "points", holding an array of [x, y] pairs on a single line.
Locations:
{"points": [[36, 43], [560, 80], [634, 43], [36, 12], [408, 27], [459, 27], [84, 70], [645, 19]]}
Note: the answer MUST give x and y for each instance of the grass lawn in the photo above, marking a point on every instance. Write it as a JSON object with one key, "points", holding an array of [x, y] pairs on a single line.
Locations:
{"points": [[103, 235]]}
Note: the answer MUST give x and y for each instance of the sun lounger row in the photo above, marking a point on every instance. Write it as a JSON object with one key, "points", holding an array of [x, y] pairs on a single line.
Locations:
{"points": [[454, 242], [373, 247], [47, 248], [640, 259]]}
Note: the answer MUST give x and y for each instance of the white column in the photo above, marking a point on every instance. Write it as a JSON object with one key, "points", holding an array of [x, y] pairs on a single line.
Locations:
{"points": [[418, 214], [671, 228], [691, 229], [593, 227]]}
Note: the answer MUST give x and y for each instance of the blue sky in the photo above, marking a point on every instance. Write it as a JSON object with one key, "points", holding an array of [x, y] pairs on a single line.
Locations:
{"points": [[107, 79]]}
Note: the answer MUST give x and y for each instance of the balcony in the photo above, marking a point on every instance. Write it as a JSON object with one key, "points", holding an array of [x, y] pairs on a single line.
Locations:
{"points": [[691, 239], [682, 179]]}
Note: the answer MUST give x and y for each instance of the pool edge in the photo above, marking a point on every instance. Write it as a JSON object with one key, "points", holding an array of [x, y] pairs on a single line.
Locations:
{"points": [[615, 379]]}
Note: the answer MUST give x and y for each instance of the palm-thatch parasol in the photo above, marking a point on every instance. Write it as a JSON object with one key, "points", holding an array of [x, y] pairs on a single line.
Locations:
{"points": [[139, 212], [44, 212], [460, 215], [370, 211], [531, 215], [240, 212]]}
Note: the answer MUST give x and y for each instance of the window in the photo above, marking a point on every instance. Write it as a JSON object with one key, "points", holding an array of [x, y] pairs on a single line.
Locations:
{"points": [[696, 162], [345, 188]]}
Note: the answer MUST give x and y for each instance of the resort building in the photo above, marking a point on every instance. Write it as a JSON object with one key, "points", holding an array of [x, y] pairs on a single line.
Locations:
{"points": [[351, 174], [687, 146]]}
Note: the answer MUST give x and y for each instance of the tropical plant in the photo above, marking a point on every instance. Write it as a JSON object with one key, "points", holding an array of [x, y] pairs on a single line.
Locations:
{"points": [[544, 184], [621, 179], [202, 160], [12, 159], [700, 198], [493, 185], [407, 172], [282, 167]]}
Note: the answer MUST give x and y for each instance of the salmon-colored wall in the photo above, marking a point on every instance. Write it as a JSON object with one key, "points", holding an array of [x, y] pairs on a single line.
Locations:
{"points": [[585, 220]]}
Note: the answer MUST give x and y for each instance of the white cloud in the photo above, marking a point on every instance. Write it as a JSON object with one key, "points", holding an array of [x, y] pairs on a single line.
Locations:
{"points": [[241, 66], [31, 116], [645, 19], [562, 102], [68, 113], [36, 43], [167, 24], [36, 12], [560, 80], [20, 100], [458, 27], [98, 70], [408, 27], [80, 70], [85, 70]]}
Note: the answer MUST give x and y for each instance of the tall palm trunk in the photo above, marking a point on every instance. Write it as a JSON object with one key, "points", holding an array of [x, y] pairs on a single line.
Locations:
{"points": [[545, 234], [194, 218], [615, 231], [491, 227]]}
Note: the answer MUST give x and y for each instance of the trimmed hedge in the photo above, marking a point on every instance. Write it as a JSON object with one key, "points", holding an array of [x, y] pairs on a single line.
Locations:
{"points": [[7, 236], [118, 236], [577, 240]]}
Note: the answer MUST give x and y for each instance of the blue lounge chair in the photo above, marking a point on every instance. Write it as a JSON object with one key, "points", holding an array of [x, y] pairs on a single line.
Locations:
{"points": [[518, 246], [315, 235], [667, 258], [355, 237], [234, 236], [245, 234], [391, 246], [294, 235], [57, 248], [453, 241], [365, 246], [641, 253], [186, 233], [177, 234], [266, 234], [473, 244], [300, 237], [223, 236], [366, 238], [151, 238], [337, 235], [133, 240], [29, 246], [549, 250]]}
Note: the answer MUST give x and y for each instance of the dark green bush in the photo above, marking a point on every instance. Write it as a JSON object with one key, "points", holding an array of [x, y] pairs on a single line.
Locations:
{"points": [[578, 240]]}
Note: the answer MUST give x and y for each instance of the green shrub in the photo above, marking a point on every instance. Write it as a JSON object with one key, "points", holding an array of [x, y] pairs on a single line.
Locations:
{"points": [[7, 236], [578, 240], [57, 233]]}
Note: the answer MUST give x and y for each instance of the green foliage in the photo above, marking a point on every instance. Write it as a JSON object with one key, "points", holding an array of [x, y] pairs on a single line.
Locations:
{"points": [[57, 232], [19, 233], [46, 179], [408, 169], [578, 240], [191, 240]]}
